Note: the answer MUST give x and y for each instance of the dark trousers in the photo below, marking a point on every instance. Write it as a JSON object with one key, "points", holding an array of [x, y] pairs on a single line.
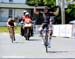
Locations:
{"points": [[22, 31]]}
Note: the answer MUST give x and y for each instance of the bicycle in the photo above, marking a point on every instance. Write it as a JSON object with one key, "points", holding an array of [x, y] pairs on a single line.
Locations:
{"points": [[46, 40], [12, 33]]}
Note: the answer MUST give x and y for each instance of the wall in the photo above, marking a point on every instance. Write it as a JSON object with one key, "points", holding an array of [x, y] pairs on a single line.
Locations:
{"points": [[18, 12], [4, 15], [19, 1], [14, 1]]}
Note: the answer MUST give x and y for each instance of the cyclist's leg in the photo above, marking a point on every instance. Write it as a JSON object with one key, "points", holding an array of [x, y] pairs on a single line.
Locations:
{"points": [[49, 37], [41, 29], [9, 28], [10, 32], [13, 33], [50, 34]]}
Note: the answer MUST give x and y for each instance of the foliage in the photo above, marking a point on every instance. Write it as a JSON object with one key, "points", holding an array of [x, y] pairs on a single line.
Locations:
{"points": [[41, 2], [69, 12], [5, 29]]}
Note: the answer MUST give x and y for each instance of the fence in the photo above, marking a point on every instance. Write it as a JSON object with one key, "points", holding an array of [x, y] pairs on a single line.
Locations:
{"points": [[66, 30]]}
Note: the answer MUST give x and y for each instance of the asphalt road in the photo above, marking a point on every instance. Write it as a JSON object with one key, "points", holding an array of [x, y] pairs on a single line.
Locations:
{"points": [[60, 47]]}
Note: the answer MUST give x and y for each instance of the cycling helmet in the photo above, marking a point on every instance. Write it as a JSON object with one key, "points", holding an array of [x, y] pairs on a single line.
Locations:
{"points": [[27, 14], [24, 12]]}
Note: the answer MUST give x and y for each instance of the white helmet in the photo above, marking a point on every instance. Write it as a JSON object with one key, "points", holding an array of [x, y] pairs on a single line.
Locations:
{"points": [[27, 13], [24, 11]]}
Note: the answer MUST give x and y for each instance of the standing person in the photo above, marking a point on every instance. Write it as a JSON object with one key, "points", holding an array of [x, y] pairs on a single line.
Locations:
{"points": [[11, 27], [46, 20]]}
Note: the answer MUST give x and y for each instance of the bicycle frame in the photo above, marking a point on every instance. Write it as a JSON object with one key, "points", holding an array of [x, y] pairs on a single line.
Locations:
{"points": [[12, 33], [46, 40]]}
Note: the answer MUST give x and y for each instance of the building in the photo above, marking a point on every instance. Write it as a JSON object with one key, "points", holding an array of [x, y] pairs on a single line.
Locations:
{"points": [[6, 11], [13, 8]]}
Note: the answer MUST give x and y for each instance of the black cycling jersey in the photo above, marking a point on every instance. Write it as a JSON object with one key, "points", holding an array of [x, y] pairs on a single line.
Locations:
{"points": [[11, 23], [46, 17]]}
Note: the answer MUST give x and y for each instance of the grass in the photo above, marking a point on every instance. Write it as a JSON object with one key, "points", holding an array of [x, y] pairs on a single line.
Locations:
{"points": [[5, 29]]}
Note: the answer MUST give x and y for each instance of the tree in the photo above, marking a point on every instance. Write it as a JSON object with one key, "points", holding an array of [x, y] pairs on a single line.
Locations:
{"points": [[69, 12], [41, 2]]}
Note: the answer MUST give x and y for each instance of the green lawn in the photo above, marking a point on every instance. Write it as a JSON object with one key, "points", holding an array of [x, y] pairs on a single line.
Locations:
{"points": [[5, 29]]}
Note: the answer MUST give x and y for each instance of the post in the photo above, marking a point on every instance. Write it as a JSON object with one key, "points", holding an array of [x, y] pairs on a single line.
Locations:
{"points": [[13, 13], [62, 11]]}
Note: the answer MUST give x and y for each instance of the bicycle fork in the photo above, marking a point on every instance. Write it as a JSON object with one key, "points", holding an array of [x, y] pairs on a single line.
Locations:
{"points": [[46, 41]]}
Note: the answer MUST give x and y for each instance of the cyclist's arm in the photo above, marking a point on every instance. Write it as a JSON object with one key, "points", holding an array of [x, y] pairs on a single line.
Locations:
{"points": [[14, 23], [35, 10], [8, 22], [20, 19], [15, 26], [56, 12]]}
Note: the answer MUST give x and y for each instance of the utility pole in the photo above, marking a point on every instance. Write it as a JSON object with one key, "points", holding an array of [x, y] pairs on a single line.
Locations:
{"points": [[62, 11]]}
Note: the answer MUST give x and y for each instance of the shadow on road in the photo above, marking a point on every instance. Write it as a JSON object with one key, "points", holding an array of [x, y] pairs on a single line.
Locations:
{"points": [[19, 42], [58, 51], [34, 40]]}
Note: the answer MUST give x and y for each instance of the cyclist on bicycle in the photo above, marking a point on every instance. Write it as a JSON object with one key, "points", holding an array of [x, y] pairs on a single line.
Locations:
{"points": [[46, 20], [21, 21], [11, 26]]}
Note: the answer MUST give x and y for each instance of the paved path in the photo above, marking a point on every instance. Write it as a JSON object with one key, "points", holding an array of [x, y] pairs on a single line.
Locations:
{"points": [[60, 47]]}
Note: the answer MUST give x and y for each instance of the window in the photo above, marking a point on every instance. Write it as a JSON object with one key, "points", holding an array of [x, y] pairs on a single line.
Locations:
{"points": [[10, 12], [10, 0]]}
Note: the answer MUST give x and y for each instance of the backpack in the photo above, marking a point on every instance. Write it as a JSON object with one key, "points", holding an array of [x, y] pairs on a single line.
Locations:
{"points": [[26, 19]]}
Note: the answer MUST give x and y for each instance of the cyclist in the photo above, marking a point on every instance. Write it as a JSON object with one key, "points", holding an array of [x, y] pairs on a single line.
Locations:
{"points": [[46, 20], [21, 20], [11, 27]]}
